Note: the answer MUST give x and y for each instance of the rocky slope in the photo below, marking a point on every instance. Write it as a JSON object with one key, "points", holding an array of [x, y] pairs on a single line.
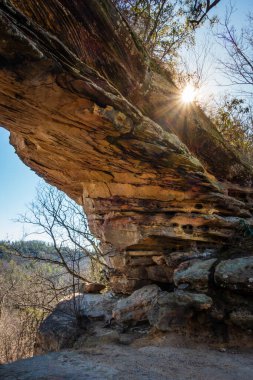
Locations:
{"points": [[92, 114]]}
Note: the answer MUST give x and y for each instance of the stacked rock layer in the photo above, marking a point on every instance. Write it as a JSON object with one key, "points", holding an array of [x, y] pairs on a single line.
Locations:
{"points": [[91, 113]]}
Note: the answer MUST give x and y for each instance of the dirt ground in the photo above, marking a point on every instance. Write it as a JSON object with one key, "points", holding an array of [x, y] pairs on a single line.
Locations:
{"points": [[164, 358]]}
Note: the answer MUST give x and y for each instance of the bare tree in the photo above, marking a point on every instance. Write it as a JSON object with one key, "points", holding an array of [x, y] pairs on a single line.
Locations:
{"points": [[239, 47], [73, 248], [200, 9], [28, 292], [43, 275], [195, 67]]}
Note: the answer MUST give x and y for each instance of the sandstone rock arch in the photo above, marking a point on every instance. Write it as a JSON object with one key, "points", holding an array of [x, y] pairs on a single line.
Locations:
{"points": [[90, 112]]}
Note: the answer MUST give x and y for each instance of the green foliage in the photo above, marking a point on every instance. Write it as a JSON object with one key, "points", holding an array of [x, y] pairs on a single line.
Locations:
{"points": [[234, 120], [163, 25], [27, 247]]}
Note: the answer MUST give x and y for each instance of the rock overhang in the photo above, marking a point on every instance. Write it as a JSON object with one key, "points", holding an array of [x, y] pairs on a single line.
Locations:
{"points": [[103, 123]]}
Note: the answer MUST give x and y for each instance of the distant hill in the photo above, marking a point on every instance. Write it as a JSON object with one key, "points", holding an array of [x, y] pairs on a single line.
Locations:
{"points": [[29, 247]]}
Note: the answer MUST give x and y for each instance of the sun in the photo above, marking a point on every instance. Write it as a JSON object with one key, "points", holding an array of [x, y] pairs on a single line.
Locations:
{"points": [[189, 94]]}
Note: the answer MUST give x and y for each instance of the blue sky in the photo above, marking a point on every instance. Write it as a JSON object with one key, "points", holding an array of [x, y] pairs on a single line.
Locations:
{"points": [[18, 182], [214, 82]]}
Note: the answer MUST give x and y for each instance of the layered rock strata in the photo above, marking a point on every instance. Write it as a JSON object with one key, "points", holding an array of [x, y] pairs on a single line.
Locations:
{"points": [[91, 113]]}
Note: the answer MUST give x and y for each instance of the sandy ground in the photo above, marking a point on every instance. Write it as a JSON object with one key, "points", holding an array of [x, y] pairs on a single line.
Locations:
{"points": [[136, 361]]}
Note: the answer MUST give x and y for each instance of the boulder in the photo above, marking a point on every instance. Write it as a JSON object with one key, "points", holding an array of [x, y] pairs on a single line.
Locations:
{"points": [[59, 330], [175, 258], [91, 306], [194, 273], [97, 306], [242, 318], [172, 310], [70, 319], [159, 273], [235, 274], [92, 288], [137, 306], [122, 284]]}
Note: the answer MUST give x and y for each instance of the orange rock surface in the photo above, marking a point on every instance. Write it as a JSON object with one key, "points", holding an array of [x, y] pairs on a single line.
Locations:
{"points": [[92, 114]]}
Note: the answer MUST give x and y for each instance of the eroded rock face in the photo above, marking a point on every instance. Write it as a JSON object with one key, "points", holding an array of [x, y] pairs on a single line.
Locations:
{"points": [[235, 274], [90, 112], [136, 307], [163, 310], [194, 274], [174, 310]]}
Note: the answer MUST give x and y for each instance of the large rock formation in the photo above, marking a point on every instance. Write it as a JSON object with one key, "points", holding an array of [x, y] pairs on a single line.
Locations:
{"points": [[71, 319], [90, 112]]}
